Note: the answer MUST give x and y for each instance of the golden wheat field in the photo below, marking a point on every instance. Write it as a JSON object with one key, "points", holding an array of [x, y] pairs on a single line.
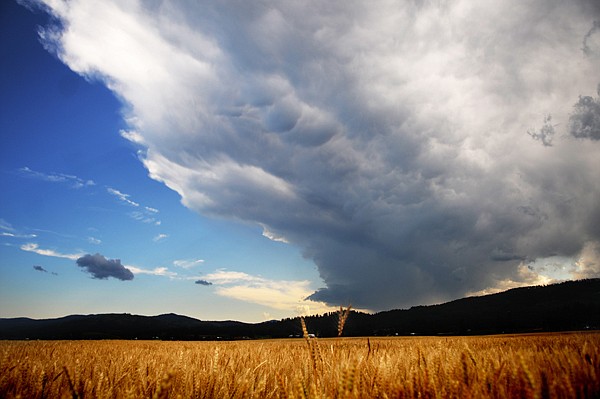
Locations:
{"points": [[518, 366]]}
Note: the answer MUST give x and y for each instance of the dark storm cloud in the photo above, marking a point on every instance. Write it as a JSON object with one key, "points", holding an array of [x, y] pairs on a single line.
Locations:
{"points": [[387, 142], [591, 41], [584, 122], [501, 255], [101, 268], [203, 282]]}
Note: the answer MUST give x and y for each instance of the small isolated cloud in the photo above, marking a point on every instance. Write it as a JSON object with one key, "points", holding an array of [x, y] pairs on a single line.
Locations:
{"points": [[202, 282], [149, 209], [41, 269], [160, 237], [32, 247], [72, 181], [188, 263], [101, 268], [94, 240]]}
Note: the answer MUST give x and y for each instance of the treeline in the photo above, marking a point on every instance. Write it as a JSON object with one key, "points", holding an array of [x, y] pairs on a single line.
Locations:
{"points": [[573, 305]]}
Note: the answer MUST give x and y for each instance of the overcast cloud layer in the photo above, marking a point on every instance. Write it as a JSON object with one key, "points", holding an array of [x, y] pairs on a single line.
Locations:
{"points": [[416, 151]]}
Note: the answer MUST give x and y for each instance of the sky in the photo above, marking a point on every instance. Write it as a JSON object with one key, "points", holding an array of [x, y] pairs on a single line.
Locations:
{"points": [[260, 160]]}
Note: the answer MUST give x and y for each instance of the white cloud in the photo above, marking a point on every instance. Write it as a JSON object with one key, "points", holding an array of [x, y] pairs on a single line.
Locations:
{"points": [[160, 237], [145, 214], [390, 143], [277, 294], [4, 225], [188, 263], [94, 240], [72, 181], [122, 197], [144, 217], [16, 235], [132, 136], [32, 247], [157, 271], [271, 236]]}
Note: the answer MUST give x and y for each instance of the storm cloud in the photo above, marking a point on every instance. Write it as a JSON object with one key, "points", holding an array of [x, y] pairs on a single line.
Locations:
{"points": [[101, 268], [585, 120], [396, 143]]}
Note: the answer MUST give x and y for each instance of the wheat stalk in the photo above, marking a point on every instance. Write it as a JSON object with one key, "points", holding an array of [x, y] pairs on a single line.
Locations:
{"points": [[342, 317]]}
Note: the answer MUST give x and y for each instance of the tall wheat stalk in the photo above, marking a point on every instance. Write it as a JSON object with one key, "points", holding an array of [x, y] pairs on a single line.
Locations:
{"points": [[342, 317]]}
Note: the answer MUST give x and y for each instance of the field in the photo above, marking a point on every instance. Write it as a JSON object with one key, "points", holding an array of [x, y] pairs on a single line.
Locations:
{"points": [[519, 366]]}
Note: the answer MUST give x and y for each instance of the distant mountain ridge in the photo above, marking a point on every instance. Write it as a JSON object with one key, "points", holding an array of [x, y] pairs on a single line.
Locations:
{"points": [[572, 305]]}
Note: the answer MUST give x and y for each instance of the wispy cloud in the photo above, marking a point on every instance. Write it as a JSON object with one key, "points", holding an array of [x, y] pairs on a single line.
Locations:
{"points": [[157, 271], [188, 263], [144, 217], [94, 240], [144, 214], [122, 196], [4, 225], [33, 247], [16, 235], [7, 230], [70, 180], [278, 294], [160, 237]]}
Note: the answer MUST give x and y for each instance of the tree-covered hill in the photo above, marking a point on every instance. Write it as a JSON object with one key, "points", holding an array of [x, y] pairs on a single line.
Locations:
{"points": [[572, 305]]}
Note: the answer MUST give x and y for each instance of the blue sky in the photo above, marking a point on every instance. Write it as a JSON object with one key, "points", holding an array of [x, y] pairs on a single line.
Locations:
{"points": [[257, 161], [62, 163]]}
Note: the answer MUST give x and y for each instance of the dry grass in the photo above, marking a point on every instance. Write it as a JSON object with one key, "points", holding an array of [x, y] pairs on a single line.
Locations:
{"points": [[521, 366]]}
